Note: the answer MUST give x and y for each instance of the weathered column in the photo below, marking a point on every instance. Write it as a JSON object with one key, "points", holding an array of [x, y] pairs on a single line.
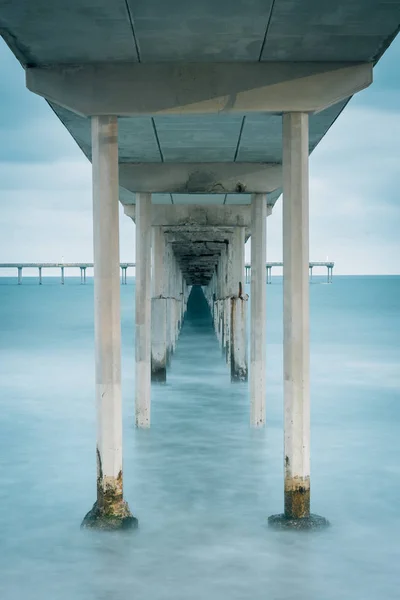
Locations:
{"points": [[19, 275], [238, 307], [143, 310], [40, 275], [62, 275], [296, 354], [258, 309], [110, 510], [159, 309], [81, 269]]}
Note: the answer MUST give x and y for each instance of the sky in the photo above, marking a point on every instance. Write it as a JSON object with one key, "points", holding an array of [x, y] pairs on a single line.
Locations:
{"points": [[45, 182]]}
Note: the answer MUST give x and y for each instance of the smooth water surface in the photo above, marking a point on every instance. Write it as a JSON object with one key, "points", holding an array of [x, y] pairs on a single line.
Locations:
{"points": [[200, 481]]}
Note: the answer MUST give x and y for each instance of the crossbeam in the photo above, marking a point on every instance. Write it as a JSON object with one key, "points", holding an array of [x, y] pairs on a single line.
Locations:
{"points": [[135, 89], [200, 178]]}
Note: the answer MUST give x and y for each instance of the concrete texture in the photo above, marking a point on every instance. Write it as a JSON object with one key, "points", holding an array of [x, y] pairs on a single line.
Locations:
{"points": [[296, 351], [143, 311], [110, 506], [258, 312], [186, 88]]}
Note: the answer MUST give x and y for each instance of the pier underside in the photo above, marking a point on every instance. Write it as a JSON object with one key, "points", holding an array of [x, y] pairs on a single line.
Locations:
{"points": [[197, 116]]}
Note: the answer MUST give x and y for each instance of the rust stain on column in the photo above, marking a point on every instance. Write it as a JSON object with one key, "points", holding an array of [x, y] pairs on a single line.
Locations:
{"points": [[297, 498]]}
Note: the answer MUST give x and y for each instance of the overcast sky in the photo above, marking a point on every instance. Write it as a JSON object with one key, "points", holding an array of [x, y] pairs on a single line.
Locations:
{"points": [[45, 181]]}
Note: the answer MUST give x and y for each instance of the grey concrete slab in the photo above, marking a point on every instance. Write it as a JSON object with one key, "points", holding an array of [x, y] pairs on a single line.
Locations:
{"points": [[198, 139], [324, 30], [198, 198], [42, 32], [204, 30]]}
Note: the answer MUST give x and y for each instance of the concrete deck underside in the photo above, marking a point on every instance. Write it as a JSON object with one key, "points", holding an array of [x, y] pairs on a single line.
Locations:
{"points": [[44, 33]]}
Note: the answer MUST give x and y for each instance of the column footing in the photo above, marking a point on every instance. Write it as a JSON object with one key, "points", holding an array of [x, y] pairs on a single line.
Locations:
{"points": [[312, 522], [98, 518], [159, 375]]}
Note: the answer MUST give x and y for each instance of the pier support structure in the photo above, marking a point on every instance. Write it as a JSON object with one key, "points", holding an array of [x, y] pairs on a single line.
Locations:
{"points": [[159, 308], [237, 307], [143, 310], [258, 310], [62, 276], [40, 275], [19, 275], [110, 511], [228, 303], [296, 354]]}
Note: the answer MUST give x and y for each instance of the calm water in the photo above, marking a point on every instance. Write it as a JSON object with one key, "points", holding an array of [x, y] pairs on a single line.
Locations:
{"points": [[200, 481]]}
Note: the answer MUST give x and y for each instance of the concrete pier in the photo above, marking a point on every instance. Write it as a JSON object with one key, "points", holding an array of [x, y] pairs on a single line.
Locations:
{"points": [[237, 307], [110, 510], [40, 275], [258, 310], [270, 265], [143, 310], [159, 308], [296, 355], [189, 115]]}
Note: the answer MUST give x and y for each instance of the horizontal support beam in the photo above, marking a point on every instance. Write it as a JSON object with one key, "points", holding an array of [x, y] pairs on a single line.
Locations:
{"points": [[130, 89], [200, 178], [195, 216]]}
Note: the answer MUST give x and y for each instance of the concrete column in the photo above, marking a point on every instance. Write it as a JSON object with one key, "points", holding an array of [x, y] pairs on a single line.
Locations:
{"points": [[311, 273], [62, 275], [110, 510], [258, 309], [237, 308], [159, 309], [84, 275], [296, 354], [143, 310], [81, 269], [19, 275], [40, 275]]}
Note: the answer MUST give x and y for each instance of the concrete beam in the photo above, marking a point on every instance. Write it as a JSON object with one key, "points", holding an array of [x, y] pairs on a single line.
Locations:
{"points": [[194, 215], [130, 89], [200, 178]]}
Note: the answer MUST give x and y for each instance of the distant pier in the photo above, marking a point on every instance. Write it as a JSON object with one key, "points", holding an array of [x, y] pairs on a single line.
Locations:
{"points": [[269, 266], [62, 266], [125, 266]]}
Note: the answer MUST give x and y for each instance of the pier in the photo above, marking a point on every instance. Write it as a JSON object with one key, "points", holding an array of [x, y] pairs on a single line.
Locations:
{"points": [[125, 266], [62, 266], [270, 265], [197, 121]]}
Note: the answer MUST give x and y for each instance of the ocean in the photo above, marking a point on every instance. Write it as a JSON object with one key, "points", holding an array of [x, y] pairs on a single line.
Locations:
{"points": [[201, 482]]}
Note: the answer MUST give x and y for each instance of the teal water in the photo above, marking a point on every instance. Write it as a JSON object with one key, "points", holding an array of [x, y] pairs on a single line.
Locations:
{"points": [[200, 481]]}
